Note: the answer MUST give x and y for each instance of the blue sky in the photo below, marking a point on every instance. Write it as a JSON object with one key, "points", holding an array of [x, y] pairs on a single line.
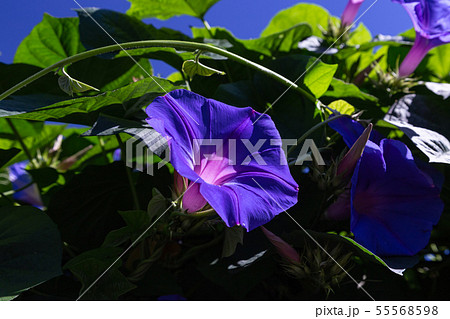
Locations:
{"points": [[245, 18]]}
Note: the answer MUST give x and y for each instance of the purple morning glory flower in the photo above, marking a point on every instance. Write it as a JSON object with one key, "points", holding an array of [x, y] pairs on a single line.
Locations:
{"points": [[431, 19], [394, 204], [350, 11], [19, 178], [236, 177]]}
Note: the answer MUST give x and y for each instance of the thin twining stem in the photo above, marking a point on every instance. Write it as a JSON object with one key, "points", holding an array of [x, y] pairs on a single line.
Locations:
{"points": [[183, 45]]}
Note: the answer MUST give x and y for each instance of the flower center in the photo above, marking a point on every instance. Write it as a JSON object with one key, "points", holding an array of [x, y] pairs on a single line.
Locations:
{"points": [[215, 169]]}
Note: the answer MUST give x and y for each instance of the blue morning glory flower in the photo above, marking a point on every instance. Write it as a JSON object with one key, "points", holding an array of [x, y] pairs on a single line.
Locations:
{"points": [[237, 174], [394, 204], [19, 178], [431, 19]]}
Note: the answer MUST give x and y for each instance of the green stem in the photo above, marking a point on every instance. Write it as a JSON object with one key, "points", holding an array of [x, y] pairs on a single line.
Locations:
{"points": [[129, 176], [313, 129], [19, 138], [225, 66], [181, 45], [102, 147]]}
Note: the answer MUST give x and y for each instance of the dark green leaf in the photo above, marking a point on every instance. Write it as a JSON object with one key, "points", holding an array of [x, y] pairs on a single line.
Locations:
{"points": [[7, 155], [30, 248], [12, 74], [86, 208], [283, 41], [233, 237], [105, 254], [157, 205], [165, 9], [157, 282], [44, 177], [237, 276], [341, 89], [109, 125], [300, 239], [107, 74], [88, 266], [133, 96], [124, 28], [136, 223], [141, 132]]}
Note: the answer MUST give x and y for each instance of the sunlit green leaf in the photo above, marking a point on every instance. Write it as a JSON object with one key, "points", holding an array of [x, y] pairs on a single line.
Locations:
{"points": [[342, 107], [165, 9], [70, 85], [439, 62], [52, 40], [316, 16], [192, 68], [359, 36], [319, 76]]}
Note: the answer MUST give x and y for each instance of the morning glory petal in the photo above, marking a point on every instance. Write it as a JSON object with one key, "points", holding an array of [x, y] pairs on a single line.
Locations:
{"points": [[351, 130], [227, 179], [394, 205]]}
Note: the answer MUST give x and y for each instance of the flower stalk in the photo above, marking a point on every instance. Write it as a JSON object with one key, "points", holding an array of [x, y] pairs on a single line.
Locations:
{"points": [[417, 53], [350, 12]]}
